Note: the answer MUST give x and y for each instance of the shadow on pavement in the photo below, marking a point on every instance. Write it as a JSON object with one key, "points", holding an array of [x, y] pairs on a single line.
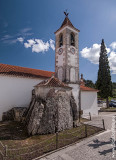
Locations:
{"points": [[96, 144]]}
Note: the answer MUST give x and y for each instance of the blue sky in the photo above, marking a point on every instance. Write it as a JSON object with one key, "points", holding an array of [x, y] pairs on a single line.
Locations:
{"points": [[27, 32]]}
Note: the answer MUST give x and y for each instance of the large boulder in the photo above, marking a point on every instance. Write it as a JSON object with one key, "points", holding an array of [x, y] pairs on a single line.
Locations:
{"points": [[54, 113], [14, 114]]}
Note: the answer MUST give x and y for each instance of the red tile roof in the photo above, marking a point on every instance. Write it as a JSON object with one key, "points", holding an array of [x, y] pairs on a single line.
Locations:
{"points": [[52, 82], [84, 88], [25, 72], [67, 22]]}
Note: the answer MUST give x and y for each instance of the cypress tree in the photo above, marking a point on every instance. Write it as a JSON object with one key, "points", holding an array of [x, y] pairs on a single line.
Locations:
{"points": [[104, 83]]}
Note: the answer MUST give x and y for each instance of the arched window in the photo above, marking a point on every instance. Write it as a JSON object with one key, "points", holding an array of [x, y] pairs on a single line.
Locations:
{"points": [[72, 39], [61, 40]]}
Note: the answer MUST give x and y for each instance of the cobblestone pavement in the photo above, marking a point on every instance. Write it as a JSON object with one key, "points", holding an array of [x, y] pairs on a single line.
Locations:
{"points": [[97, 120], [97, 147]]}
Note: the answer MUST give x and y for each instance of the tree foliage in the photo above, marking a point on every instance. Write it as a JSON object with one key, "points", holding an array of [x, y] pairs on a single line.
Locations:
{"points": [[114, 89], [104, 83], [114, 85], [89, 83]]}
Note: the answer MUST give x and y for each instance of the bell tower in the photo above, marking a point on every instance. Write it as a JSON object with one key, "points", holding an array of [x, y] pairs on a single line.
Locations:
{"points": [[67, 52]]}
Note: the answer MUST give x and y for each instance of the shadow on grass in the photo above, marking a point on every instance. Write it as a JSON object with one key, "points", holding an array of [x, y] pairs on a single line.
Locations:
{"points": [[12, 131]]}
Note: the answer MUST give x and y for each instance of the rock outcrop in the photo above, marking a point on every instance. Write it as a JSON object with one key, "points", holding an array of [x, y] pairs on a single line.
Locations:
{"points": [[14, 114], [54, 113]]}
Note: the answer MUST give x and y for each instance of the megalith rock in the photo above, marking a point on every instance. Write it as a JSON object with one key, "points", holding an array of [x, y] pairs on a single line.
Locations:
{"points": [[52, 109]]}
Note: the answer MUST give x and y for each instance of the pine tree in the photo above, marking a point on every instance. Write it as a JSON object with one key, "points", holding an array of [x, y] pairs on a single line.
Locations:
{"points": [[104, 83]]}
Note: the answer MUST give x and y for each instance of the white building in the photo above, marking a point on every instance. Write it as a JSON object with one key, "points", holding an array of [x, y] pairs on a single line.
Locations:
{"points": [[16, 83], [88, 99]]}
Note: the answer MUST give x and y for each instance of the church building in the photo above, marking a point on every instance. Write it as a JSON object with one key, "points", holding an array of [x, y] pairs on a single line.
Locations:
{"points": [[17, 83]]}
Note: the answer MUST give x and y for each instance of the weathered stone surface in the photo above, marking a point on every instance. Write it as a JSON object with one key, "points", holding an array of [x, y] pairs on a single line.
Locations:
{"points": [[74, 110], [14, 114], [54, 113]]}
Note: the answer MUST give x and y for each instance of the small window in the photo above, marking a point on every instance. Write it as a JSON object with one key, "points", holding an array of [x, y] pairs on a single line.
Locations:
{"points": [[72, 39], [61, 40]]}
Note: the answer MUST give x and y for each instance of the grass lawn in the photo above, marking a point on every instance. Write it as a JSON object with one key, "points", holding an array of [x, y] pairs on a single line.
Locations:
{"points": [[14, 135], [110, 109], [110, 98]]}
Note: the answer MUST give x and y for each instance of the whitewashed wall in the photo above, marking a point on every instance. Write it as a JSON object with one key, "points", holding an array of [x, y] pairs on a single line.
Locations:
{"points": [[75, 91], [15, 92], [89, 102]]}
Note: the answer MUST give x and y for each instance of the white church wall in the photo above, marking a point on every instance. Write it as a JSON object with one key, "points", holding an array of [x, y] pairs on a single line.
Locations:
{"points": [[75, 91], [89, 102], [15, 92]]}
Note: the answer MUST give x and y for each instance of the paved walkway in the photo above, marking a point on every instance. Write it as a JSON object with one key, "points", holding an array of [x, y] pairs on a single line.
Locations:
{"points": [[97, 147], [107, 116]]}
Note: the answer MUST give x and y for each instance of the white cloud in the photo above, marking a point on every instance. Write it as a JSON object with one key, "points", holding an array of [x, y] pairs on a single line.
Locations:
{"points": [[52, 42], [113, 45], [20, 39], [25, 30], [92, 53], [8, 39], [38, 45], [112, 61], [12, 39], [29, 43]]}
